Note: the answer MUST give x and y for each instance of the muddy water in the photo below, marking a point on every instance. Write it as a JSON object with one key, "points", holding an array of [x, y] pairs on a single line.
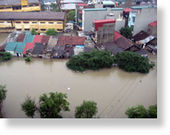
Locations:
{"points": [[114, 90], [3, 36]]}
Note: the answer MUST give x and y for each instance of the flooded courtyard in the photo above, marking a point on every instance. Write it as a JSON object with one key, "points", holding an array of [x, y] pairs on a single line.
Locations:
{"points": [[112, 89]]}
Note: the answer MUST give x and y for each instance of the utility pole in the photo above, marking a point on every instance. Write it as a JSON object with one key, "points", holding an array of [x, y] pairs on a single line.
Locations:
{"points": [[58, 4]]}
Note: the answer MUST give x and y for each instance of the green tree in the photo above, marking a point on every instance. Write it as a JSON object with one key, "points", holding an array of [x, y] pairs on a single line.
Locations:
{"points": [[33, 32], [5, 56], [71, 15], [29, 107], [52, 105], [137, 112], [2, 97], [87, 110], [93, 60], [132, 62], [152, 111], [51, 32], [126, 32], [28, 59]]}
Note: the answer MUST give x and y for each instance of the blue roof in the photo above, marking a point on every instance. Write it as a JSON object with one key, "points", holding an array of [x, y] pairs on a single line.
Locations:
{"points": [[11, 46], [102, 9], [28, 37], [20, 47]]}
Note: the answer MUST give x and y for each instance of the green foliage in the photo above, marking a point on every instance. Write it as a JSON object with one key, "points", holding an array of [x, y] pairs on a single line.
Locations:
{"points": [[51, 32], [33, 32], [52, 105], [71, 15], [5, 56], [137, 112], [132, 62], [28, 59], [93, 60], [152, 111], [87, 110], [2, 93], [126, 32], [29, 107]]}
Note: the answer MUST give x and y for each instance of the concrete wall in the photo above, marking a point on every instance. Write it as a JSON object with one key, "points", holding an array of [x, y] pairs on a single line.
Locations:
{"points": [[89, 15], [143, 18]]}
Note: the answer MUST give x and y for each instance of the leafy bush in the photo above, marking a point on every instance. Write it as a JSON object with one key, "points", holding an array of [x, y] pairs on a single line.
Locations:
{"points": [[132, 62], [33, 32], [29, 107], [137, 112], [2, 93], [141, 112], [71, 15], [126, 32], [51, 106], [152, 111], [51, 32], [87, 110], [27, 59], [94, 60], [5, 56]]}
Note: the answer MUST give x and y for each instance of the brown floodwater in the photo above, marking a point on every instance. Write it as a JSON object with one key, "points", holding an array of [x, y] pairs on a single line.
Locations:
{"points": [[112, 89], [3, 36]]}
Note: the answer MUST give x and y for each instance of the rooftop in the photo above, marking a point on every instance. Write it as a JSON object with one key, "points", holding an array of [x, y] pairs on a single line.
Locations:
{"points": [[153, 23], [140, 36], [70, 40], [15, 2], [32, 15]]}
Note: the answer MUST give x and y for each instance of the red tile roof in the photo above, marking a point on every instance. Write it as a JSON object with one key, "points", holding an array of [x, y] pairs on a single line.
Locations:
{"points": [[82, 5], [99, 23], [153, 23], [129, 10], [70, 40]]}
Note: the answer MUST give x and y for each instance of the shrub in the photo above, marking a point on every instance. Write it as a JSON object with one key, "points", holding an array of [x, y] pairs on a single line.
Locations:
{"points": [[27, 59], [5, 56], [94, 60], [29, 107], [137, 112], [152, 111], [51, 32], [87, 110], [51, 106], [71, 15], [2, 97], [132, 62], [33, 32], [126, 32]]}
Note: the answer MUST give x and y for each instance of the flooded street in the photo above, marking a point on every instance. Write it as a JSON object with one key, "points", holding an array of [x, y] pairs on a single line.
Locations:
{"points": [[114, 90]]}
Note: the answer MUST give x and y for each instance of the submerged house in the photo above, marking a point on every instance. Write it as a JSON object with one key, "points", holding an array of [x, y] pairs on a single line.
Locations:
{"points": [[38, 50]]}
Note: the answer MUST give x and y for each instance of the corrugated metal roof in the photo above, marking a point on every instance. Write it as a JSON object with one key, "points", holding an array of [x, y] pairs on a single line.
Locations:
{"points": [[37, 39], [11, 46], [19, 47], [28, 37], [38, 48], [28, 47]]}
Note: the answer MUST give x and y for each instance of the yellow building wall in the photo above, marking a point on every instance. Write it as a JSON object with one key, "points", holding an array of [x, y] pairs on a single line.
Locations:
{"points": [[24, 2], [40, 26], [24, 8]]}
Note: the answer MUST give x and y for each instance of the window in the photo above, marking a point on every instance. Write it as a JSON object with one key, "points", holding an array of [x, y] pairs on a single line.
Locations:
{"points": [[26, 22], [19, 29], [59, 23], [60, 30], [43, 29], [1, 22], [27, 29], [34, 22], [51, 22], [17, 22], [42, 22]]}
